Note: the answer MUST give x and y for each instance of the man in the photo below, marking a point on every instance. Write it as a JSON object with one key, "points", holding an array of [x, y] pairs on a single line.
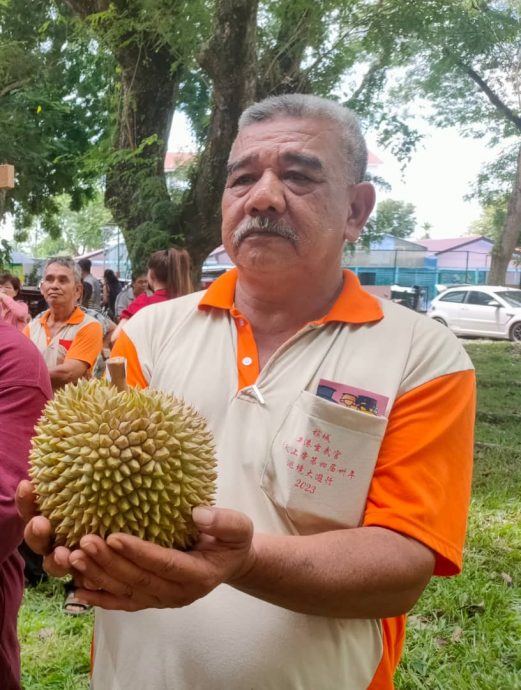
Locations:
{"points": [[69, 339], [331, 521], [24, 390], [85, 266], [138, 285]]}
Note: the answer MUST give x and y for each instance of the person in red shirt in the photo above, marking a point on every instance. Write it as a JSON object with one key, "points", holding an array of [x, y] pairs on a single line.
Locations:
{"points": [[168, 276], [25, 387]]}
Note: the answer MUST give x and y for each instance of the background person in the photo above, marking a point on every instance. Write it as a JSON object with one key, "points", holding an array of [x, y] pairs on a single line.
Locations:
{"points": [[332, 520], [85, 266], [12, 310], [24, 390], [111, 289], [69, 340], [137, 286], [168, 276]]}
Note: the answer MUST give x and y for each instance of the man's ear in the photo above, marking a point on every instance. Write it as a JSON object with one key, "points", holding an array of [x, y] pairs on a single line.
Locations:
{"points": [[362, 200]]}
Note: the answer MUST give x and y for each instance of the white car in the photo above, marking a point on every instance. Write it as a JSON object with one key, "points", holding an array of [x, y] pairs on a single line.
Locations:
{"points": [[479, 310]]}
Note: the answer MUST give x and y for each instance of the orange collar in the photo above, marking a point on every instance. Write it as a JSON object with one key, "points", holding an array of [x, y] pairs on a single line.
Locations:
{"points": [[353, 305], [77, 316]]}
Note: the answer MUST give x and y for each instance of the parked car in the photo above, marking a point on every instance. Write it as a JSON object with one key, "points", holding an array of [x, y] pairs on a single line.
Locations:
{"points": [[480, 310]]}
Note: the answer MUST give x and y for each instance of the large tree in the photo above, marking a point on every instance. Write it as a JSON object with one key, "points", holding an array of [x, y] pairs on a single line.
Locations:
{"points": [[212, 59], [52, 109], [465, 57], [395, 217]]}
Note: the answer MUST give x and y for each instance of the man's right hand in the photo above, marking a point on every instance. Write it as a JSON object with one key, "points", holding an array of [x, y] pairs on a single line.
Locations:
{"points": [[38, 533]]}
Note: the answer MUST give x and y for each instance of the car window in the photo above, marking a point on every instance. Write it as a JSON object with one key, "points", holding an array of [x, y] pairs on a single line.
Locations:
{"points": [[456, 296], [482, 298], [511, 297]]}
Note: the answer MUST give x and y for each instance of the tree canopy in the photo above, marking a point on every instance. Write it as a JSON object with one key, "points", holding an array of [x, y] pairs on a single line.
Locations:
{"points": [[88, 89]]}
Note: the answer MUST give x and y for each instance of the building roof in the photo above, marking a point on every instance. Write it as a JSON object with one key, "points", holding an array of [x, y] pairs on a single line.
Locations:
{"points": [[447, 245], [174, 159]]}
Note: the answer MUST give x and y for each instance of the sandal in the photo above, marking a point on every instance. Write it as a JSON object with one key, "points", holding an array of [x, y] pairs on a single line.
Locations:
{"points": [[74, 606]]}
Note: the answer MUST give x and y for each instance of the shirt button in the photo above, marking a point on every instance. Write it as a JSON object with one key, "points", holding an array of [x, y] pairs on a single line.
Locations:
{"points": [[247, 361], [241, 322]]}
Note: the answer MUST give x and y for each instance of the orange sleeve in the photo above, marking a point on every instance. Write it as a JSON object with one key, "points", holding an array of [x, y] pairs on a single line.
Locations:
{"points": [[422, 480], [27, 331], [124, 347], [87, 344]]}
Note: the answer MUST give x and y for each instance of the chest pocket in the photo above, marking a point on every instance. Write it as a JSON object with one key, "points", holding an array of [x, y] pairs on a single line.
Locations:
{"points": [[321, 464]]}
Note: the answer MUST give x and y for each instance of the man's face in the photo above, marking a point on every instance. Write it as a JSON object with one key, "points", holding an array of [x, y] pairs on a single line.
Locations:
{"points": [[59, 287], [140, 285], [292, 171]]}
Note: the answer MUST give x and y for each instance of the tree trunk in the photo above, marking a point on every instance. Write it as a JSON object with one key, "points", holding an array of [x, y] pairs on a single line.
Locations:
{"points": [[505, 246], [136, 190], [229, 59]]}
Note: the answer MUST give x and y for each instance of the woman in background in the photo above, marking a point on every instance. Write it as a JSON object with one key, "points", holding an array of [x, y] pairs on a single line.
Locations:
{"points": [[12, 310], [168, 276], [111, 289]]}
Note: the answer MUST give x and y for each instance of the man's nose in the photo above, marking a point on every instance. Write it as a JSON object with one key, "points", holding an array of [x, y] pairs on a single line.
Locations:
{"points": [[266, 196]]}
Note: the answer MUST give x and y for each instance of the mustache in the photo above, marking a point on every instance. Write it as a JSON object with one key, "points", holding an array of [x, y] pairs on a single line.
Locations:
{"points": [[249, 226]]}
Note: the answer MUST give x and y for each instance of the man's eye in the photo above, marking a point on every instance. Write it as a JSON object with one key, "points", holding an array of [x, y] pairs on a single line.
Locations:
{"points": [[242, 180], [296, 176]]}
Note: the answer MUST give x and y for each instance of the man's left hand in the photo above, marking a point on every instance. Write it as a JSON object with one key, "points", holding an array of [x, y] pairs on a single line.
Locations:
{"points": [[129, 574]]}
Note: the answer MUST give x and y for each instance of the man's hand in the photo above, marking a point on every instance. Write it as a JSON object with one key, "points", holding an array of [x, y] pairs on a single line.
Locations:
{"points": [[129, 574], [38, 533]]}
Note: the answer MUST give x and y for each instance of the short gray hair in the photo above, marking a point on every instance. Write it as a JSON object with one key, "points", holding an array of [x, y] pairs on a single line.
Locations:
{"points": [[67, 262], [306, 106]]}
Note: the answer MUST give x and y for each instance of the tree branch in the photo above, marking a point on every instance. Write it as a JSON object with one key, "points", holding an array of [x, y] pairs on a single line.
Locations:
{"points": [[496, 101], [13, 86]]}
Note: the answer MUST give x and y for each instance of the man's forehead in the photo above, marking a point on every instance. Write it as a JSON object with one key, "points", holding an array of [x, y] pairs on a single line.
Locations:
{"points": [[287, 135], [58, 269]]}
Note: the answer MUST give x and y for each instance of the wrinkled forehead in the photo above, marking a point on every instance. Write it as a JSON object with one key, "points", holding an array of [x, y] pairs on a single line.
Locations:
{"points": [[314, 139], [318, 135]]}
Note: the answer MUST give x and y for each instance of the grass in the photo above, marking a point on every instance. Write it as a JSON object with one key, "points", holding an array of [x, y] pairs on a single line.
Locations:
{"points": [[55, 646], [464, 633]]}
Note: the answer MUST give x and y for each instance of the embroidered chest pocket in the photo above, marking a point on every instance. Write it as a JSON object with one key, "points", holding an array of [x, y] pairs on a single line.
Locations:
{"points": [[321, 464]]}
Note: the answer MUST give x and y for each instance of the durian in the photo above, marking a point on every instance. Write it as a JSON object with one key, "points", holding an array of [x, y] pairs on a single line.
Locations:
{"points": [[134, 461]]}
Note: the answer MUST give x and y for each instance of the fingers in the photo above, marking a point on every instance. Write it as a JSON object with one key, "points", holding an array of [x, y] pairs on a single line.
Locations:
{"points": [[38, 535], [102, 568], [229, 527], [169, 564], [25, 500], [57, 563]]}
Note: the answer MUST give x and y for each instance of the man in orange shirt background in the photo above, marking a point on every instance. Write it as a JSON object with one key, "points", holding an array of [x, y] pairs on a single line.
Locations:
{"points": [[69, 339]]}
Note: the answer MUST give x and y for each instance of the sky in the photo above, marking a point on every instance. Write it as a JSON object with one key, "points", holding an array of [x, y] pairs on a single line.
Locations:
{"points": [[439, 175], [436, 180]]}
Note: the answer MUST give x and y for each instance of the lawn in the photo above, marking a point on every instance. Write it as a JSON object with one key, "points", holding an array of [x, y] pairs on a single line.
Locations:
{"points": [[464, 633]]}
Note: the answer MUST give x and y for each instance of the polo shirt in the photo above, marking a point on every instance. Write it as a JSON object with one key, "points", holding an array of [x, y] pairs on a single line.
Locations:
{"points": [[363, 417], [80, 338]]}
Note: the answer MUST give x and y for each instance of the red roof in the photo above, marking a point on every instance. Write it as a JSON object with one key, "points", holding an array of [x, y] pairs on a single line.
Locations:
{"points": [[174, 159], [372, 159]]}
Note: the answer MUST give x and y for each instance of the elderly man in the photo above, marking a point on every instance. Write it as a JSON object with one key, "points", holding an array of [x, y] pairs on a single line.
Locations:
{"points": [[138, 285], [331, 521], [69, 339]]}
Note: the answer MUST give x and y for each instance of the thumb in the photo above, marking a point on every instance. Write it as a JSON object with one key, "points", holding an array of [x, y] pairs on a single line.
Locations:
{"points": [[227, 526]]}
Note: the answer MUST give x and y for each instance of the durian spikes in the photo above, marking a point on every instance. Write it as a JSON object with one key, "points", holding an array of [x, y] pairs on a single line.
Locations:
{"points": [[134, 461]]}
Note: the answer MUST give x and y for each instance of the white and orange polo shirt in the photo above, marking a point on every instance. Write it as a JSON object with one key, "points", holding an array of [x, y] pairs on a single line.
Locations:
{"points": [[80, 338], [364, 417]]}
